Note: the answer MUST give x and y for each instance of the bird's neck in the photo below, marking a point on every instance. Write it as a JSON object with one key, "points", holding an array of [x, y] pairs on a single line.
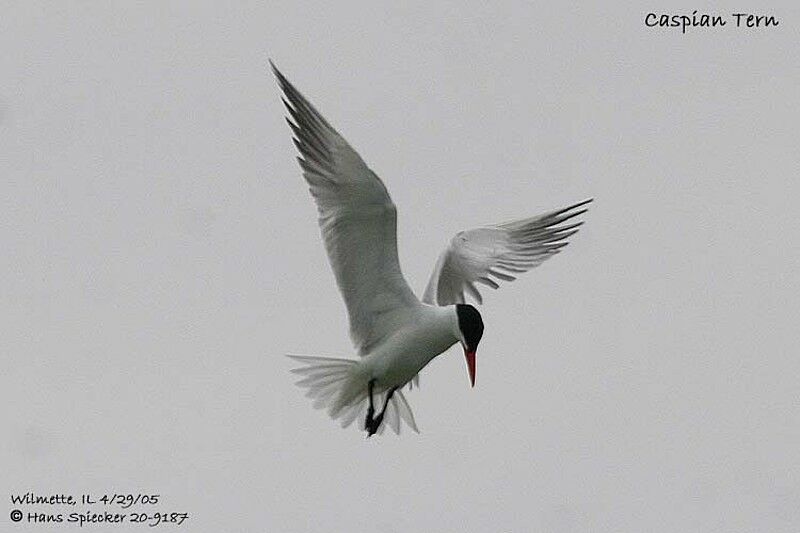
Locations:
{"points": [[445, 320]]}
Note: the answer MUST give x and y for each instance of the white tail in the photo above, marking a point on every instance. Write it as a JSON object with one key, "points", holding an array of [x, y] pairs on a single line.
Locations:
{"points": [[333, 385]]}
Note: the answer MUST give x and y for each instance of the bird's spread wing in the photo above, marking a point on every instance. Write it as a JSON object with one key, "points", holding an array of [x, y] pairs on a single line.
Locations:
{"points": [[357, 218], [491, 254]]}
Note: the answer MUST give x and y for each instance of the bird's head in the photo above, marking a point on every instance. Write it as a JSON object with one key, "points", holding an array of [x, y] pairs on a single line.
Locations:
{"points": [[470, 326]]}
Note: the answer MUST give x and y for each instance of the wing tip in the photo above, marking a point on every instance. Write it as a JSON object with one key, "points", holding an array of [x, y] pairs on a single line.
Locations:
{"points": [[278, 74], [575, 206]]}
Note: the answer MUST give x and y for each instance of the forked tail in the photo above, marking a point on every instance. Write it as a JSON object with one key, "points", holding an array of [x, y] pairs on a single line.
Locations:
{"points": [[332, 385]]}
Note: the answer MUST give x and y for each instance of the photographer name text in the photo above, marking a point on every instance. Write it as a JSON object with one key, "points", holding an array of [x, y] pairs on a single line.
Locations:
{"points": [[114, 508]]}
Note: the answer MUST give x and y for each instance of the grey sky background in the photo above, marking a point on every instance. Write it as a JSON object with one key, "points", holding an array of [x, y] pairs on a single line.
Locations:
{"points": [[161, 254]]}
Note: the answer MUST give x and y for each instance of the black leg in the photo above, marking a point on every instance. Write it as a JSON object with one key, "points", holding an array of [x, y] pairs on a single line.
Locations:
{"points": [[386, 401], [376, 422], [370, 411]]}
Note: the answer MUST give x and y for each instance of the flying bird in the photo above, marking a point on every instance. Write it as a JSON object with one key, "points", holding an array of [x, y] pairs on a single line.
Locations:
{"points": [[395, 334]]}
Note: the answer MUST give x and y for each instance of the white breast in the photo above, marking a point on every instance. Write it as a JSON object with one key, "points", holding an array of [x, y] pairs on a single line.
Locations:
{"points": [[426, 333]]}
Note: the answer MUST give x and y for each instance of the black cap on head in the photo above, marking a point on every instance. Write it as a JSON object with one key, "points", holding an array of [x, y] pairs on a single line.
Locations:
{"points": [[470, 324]]}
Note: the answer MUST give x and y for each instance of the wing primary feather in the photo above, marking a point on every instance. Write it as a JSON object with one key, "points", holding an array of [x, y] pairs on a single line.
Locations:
{"points": [[555, 237], [533, 232], [511, 266], [563, 217], [315, 167], [489, 282], [504, 277], [573, 206], [308, 137], [311, 153], [301, 113], [301, 106]]}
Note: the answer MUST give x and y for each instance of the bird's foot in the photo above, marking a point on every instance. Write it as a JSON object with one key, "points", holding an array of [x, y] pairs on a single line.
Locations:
{"points": [[369, 420], [373, 424]]}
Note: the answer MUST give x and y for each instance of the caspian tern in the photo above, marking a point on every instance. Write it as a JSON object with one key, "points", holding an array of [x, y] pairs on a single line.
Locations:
{"points": [[394, 333]]}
